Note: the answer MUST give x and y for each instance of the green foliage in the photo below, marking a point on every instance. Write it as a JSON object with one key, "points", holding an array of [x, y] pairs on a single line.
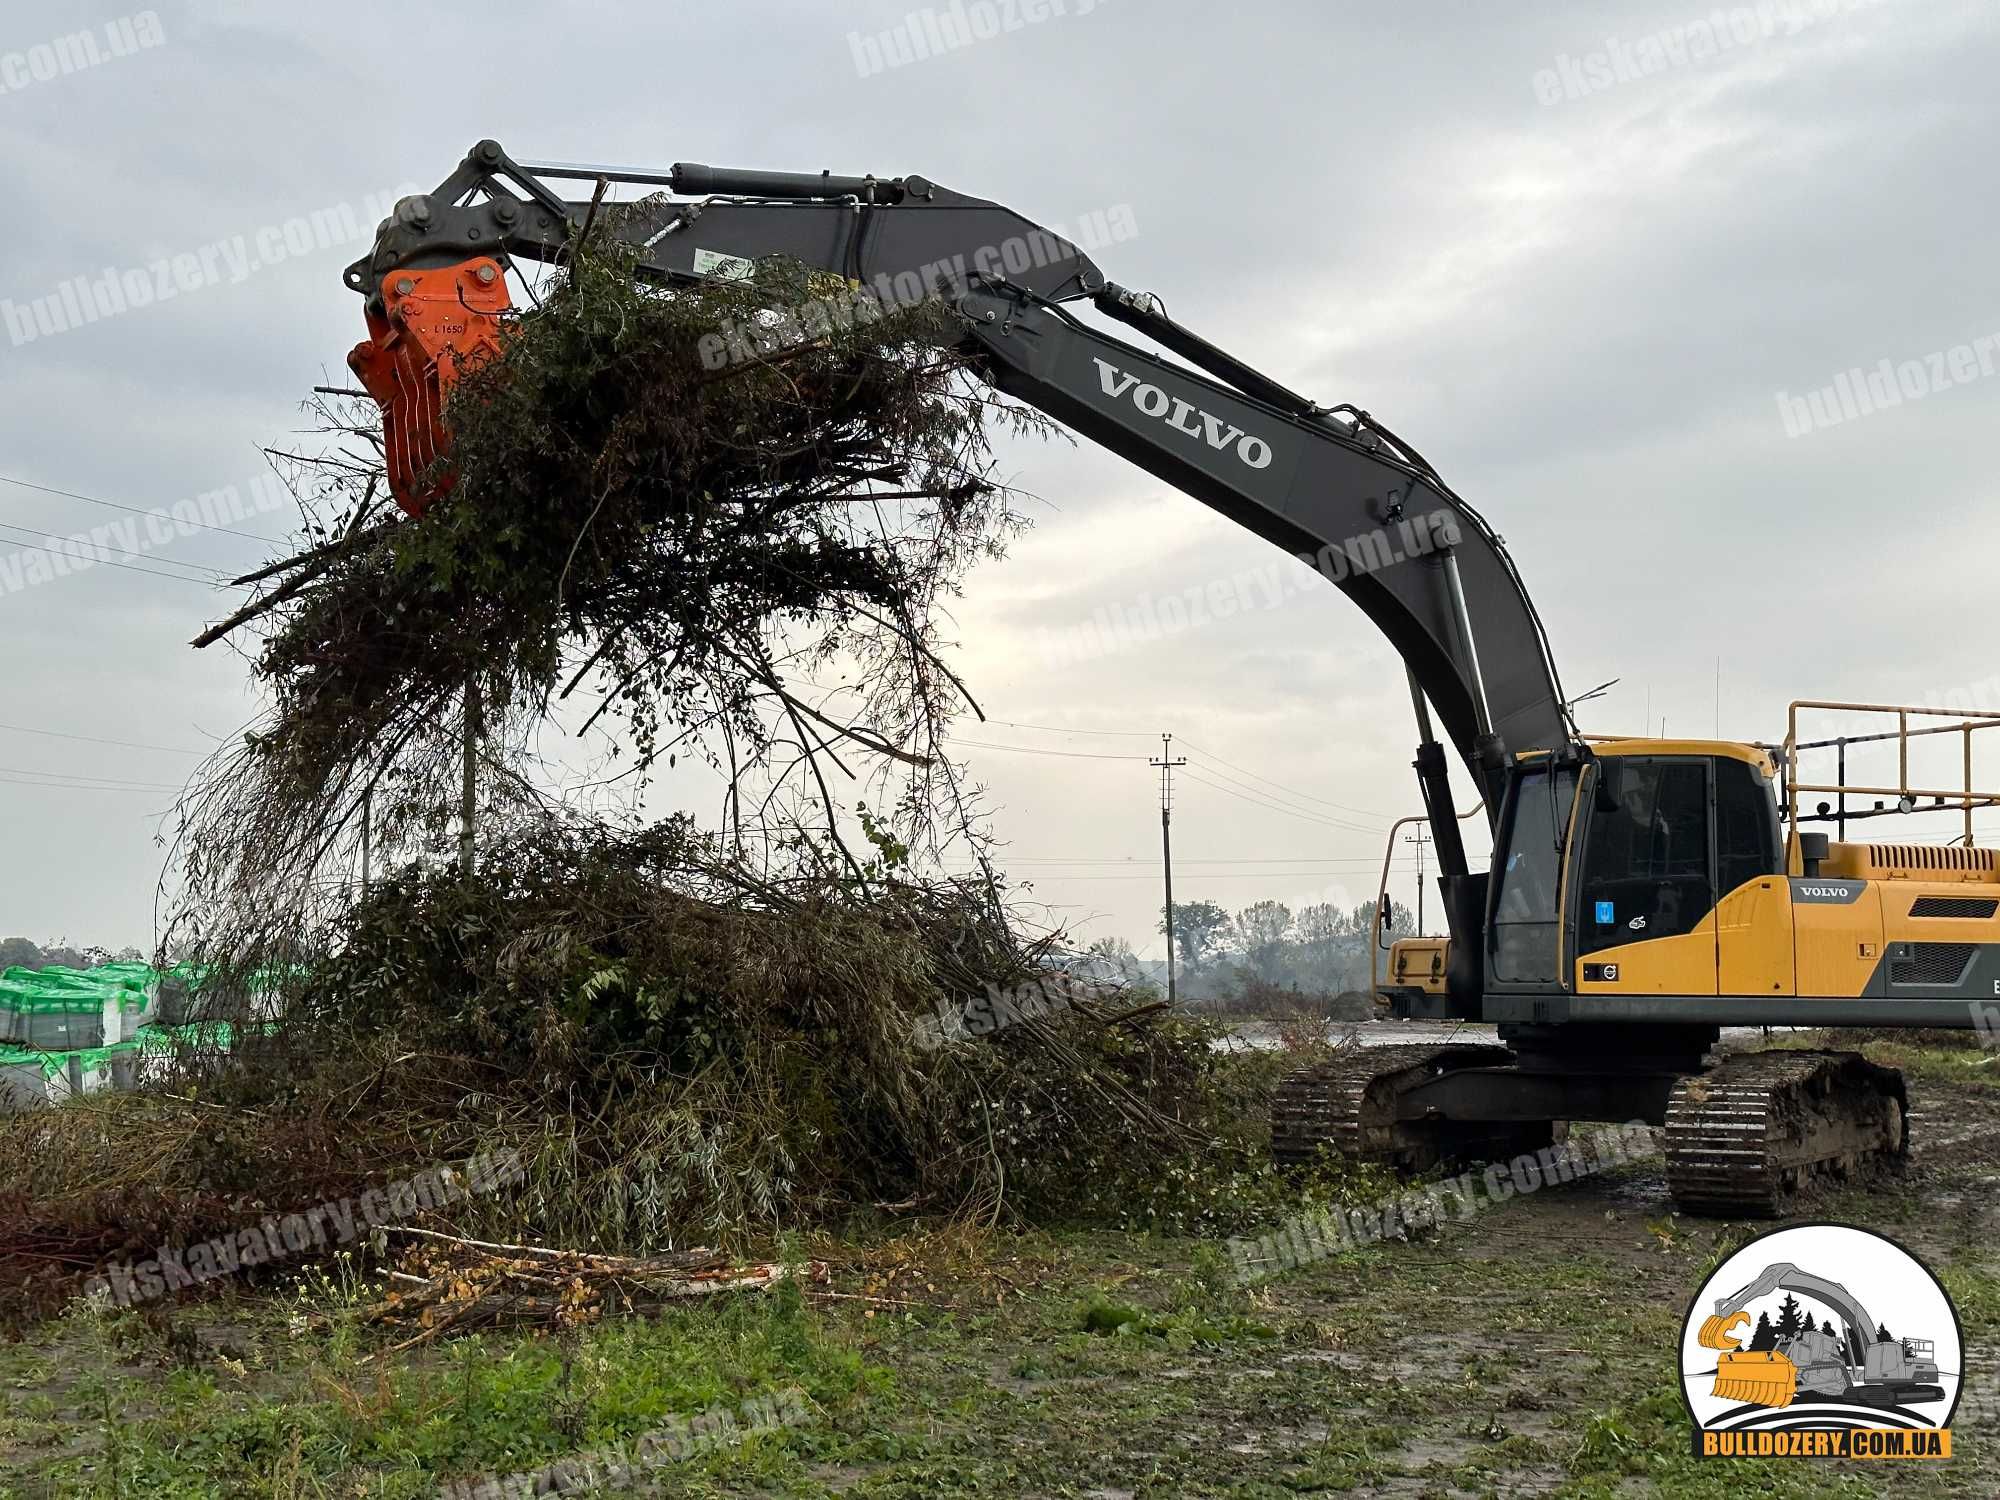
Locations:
{"points": [[484, 1405], [679, 1052], [1183, 1328]]}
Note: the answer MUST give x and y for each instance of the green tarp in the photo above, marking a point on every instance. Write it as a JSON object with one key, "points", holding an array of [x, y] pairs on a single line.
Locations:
{"points": [[65, 1010], [71, 1031], [30, 1076]]}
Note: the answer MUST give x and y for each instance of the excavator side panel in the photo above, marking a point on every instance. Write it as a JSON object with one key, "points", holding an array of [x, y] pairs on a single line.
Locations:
{"points": [[1680, 965], [1837, 937], [1744, 947], [1754, 939], [1940, 939]]}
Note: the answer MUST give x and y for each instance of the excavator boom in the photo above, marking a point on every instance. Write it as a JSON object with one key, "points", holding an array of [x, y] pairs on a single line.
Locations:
{"points": [[1874, 1368]]}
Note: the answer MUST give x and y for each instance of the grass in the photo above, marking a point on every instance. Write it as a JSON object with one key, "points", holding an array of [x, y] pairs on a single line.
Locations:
{"points": [[1527, 1351], [291, 1413], [1949, 1057]]}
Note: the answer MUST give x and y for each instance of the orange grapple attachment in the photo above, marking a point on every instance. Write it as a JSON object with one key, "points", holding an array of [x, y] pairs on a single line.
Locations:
{"points": [[433, 326], [1765, 1378], [1720, 1332]]}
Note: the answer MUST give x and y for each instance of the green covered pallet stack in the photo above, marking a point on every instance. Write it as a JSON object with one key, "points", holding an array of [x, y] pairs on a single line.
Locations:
{"points": [[67, 1010], [30, 1078], [68, 1032]]}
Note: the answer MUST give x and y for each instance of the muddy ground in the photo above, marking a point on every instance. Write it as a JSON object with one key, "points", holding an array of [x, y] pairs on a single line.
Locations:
{"points": [[1527, 1351]]}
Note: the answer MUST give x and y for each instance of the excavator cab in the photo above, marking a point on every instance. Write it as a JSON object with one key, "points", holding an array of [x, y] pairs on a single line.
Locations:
{"points": [[1614, 870], [1681, 882], [1608, 872]]}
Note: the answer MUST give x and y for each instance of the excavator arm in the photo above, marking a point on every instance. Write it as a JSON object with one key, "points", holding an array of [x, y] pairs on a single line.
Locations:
{"points": [[1331, 486], [1863, 1365]]}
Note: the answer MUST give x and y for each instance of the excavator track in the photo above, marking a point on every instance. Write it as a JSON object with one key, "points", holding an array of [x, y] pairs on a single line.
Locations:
{"points": [[1744, 1139], [1348, 1105]]}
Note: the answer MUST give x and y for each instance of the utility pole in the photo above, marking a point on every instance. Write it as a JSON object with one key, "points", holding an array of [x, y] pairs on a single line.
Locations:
{"points": [[1420, 839], [1166, 763]]}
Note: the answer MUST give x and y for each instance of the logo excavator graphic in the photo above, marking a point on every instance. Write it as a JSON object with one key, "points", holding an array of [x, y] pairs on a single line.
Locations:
{"points": [[1858, 1363]]}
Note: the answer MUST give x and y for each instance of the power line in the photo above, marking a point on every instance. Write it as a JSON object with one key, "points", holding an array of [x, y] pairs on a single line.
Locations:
{"points": [[1218, 875], [1204, 754], [50, 537], [136, 510], [1129, 859], [1137, 734], [93, 740], [47, 544], [1291, 791], [1290, 812], [1247, 793], [83, 783], [1306, 812], [151, 786], [1037, 750]]}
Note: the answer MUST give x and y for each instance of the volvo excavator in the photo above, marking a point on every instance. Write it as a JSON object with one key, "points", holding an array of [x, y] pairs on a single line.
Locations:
{"points": [[1641, 894]]}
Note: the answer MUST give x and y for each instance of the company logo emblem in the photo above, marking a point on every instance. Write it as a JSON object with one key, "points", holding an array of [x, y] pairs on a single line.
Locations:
{"points": [[1827, 892], [1183, 416], [1822, 1341]]}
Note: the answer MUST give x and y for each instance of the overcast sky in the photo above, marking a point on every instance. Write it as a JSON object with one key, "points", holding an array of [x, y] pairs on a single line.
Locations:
{"points": [[1577, 283]]}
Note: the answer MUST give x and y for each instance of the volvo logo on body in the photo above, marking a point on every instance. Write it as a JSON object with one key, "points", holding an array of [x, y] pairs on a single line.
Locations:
{"points": [[1809, 891], [1184, 416]]}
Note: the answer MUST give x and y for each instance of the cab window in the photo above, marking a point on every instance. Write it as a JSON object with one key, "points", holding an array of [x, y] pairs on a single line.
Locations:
{"points": [[1746, 826], [1646, 861]]}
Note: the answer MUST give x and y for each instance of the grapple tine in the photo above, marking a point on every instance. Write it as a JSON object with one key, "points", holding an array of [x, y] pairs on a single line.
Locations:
{"points": [[1765, 1377]]}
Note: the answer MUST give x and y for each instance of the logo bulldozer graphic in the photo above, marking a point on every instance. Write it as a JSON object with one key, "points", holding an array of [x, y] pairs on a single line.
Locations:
{"points": [[1857, 1362]]}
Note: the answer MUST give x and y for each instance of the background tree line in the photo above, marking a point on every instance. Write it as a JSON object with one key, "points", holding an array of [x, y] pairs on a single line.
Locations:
{"points": [[21, 953], [1267, 960]]}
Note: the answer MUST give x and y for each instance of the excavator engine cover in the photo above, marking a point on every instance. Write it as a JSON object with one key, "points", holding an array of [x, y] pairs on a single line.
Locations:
{"points": [[429, 328]]}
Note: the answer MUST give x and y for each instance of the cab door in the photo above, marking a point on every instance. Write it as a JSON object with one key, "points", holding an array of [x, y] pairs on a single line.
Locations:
{"points": [[1525, 924], [1753, 915]]}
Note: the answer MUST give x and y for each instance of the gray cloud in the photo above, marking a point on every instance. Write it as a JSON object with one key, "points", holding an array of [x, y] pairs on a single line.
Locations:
{"points": [[1583, 313]]}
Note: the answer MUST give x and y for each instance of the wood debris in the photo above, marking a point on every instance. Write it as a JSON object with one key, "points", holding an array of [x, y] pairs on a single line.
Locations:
{"points": [[443, 1283]]}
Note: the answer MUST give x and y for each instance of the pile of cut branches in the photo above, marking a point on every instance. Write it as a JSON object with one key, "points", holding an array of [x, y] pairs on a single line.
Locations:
{"points": [[678, 1053]]}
